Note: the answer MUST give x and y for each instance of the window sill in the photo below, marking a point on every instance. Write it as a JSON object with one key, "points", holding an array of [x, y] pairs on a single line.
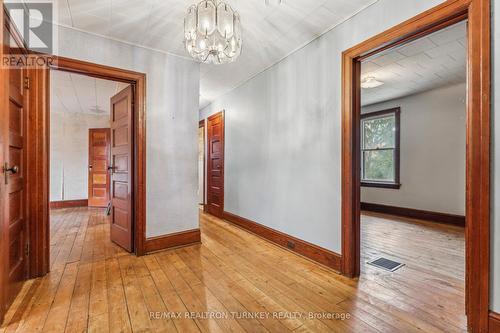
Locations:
{"points": [[395, 186]]}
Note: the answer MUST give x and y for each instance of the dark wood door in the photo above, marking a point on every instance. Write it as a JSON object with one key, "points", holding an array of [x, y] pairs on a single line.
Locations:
{"points": [[13, 177], [215, 167], [99, 177], [121, 168]]}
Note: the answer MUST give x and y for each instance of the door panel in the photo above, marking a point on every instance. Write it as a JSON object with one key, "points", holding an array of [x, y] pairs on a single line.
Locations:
{"points": [[99, 179], [215, 165], [121, 168], [13, 178]]}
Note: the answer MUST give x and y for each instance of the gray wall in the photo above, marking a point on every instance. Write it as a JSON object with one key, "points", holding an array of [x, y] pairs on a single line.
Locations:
{"points": [[283, 132], [172, 123], [495, 250], [69, 153], [283, 135], [432, 152]]}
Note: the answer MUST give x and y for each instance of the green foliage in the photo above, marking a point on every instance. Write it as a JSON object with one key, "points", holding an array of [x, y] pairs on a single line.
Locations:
{"points": [[378, 148]]}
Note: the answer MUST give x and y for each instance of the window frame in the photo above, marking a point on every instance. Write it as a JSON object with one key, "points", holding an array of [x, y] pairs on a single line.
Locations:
{"points": [[396, 184]]}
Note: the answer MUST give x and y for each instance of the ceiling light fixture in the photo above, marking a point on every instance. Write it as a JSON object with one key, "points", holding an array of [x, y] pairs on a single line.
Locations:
{"points": [[370, 82], [212, 32]]}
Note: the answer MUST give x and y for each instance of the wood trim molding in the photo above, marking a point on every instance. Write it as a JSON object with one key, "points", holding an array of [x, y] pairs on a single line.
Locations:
{"points": [[313, 252], [425, 215], [477, 12], [138, 82], [38, 170], [494, 322], [170, 241], [68, 204]]}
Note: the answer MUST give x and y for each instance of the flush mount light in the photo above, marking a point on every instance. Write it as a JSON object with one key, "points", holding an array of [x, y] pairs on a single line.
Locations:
{"points": [[370, 82], [212, 32]]}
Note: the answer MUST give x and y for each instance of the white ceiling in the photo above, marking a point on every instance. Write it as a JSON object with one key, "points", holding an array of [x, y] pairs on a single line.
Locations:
{"points": [[270, 32], [433, 61], [75, 93]]}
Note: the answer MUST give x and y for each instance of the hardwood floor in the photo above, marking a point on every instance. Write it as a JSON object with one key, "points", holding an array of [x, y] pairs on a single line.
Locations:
{"points": [[95, 286]]}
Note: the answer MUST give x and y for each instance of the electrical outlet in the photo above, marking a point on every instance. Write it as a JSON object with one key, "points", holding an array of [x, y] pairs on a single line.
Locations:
{"points": [[290, 245]]}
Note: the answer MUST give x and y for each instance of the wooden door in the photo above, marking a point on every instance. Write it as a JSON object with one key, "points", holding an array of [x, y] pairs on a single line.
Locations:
{"points": [[99, 177], [13, 178], [121, 168], [215, 167], [4, 93]]}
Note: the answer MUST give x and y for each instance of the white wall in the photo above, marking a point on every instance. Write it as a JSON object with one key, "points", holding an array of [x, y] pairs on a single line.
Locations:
{"points": [[172, 123], [69, 152], [495, 201], [283, 132], [432, 152], [268, 108]]}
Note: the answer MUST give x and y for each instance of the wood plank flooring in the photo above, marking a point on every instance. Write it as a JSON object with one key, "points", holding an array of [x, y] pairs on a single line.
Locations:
{"points": [[238, 282]]}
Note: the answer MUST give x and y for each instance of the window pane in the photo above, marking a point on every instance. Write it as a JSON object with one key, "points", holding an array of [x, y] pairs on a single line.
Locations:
{"points": [[378, 165], [379, 132]]}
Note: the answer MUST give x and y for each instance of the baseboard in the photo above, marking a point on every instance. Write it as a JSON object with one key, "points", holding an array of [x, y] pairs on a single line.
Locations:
{"points": [[457, 220], [306, 249], [494, 322], [69, 204], [178, 239]]}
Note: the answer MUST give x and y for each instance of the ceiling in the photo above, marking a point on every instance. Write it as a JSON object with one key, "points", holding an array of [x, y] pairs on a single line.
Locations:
{"points": [[430, 62], [270, 32], [75, 93]]}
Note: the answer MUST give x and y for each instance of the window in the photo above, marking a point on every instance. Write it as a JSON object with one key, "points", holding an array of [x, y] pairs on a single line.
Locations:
{"points": [[380, 149]]}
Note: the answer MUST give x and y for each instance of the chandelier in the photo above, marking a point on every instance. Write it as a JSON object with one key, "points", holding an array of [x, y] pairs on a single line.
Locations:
{"points": [[212, 32]]}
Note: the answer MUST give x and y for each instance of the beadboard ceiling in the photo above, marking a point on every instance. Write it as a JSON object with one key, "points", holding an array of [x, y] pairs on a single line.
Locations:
{"points": [[431, 62], [270, 32]]}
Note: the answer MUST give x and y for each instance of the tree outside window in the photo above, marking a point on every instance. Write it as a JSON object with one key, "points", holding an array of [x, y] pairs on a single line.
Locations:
{"points": [[380, 148]]}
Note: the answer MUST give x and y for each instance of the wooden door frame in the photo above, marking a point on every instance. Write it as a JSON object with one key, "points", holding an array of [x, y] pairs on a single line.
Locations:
{"points": [[41, 253], [478, 142], [91, 153], [223, 117], [201, 124]]}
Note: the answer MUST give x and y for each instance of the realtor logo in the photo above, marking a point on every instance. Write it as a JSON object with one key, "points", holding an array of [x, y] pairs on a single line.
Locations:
{"points": [[34, 22]]}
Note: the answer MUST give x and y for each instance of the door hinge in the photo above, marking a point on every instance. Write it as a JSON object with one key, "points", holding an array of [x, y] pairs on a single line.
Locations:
{"points": [[27, 250], [26, 82]]}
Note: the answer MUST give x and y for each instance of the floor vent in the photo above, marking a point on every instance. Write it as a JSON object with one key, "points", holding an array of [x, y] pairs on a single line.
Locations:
{"points": [[386, 264]]}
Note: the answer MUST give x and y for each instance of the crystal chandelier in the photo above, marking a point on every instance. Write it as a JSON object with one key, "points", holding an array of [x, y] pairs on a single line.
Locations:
{"points": [[212, 32]]}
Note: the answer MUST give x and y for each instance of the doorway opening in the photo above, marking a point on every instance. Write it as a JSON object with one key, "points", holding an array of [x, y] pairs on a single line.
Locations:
{"points": [[86, 174], [412, 172], [127, 169], [477, 135]]}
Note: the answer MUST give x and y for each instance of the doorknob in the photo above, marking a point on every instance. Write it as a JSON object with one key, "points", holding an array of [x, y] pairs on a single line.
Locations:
{"points": [[111, 168], [6, 170]]}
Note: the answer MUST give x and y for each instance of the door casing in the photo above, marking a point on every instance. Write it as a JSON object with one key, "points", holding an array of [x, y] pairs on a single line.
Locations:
{"points": [[138, 82], [39, 156], [477, 12]]}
